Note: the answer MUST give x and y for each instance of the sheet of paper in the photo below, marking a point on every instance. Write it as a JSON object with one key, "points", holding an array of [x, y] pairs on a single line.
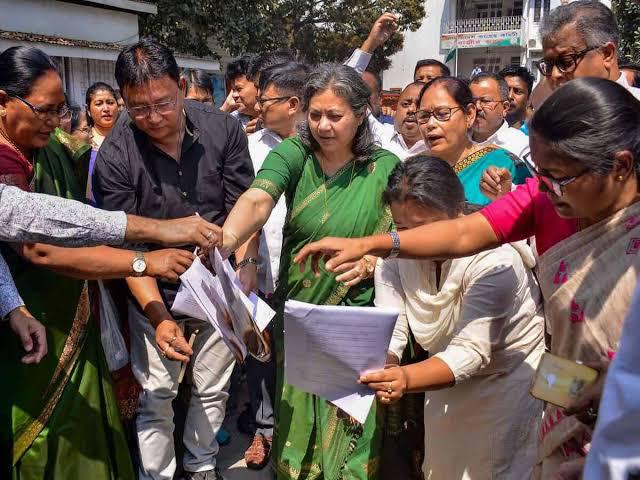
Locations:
{"points": [[328, 347], [186, 304]]}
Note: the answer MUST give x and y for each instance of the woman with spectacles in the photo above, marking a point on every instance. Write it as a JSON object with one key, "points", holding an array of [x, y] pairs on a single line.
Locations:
{"points": [[58, 419], [583, 210], [445, 118]]}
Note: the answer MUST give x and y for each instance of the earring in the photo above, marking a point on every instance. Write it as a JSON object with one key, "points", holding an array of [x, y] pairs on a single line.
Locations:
{"points": [[3, 113], [620, 178]]}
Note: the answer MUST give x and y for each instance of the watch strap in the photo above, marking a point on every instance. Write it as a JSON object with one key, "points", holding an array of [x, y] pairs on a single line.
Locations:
{"points": [[245, 262]]}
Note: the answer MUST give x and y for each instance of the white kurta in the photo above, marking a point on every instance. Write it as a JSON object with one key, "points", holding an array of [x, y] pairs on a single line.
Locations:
{"points": [[485, 323]]}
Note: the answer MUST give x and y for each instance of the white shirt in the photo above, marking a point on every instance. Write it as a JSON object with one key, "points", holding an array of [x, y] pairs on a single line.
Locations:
{"points": [[615, 447], [511, 139], [260, 144], [622, 80], [387, 137]]}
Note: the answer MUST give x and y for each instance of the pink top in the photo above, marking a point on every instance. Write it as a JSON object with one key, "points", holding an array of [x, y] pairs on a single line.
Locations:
{"points": [[528, 212]]}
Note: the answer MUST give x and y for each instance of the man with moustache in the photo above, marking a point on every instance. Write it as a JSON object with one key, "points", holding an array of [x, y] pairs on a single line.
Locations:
{"points": [[241, 101], [520, 83]]}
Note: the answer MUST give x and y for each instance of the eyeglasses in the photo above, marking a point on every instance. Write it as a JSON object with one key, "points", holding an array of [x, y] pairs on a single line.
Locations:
{"points": [[487, 104], [441, 114], [45, 114], [163, 108], [565, 63], [262, 100], [556, 185]]}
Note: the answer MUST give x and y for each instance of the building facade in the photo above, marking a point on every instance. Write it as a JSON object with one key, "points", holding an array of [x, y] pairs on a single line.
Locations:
{"points": [[83, 37], [473, 34]]}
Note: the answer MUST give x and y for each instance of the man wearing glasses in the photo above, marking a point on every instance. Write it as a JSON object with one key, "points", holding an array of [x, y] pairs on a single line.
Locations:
{"points": [[169, 158], [580, 39], [491, 93]]}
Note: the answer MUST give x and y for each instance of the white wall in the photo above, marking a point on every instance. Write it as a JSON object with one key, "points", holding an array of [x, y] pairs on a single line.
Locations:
{"points": [[78, 22], [423, 43]]}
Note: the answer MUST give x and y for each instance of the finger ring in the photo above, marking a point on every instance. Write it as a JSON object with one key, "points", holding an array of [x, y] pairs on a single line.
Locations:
{"points": [[173, 339], [209, 235], [389, 390]]}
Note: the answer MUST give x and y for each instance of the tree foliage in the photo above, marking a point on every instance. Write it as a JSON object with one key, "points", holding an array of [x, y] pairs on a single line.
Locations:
{"points": [[316, 30], [628, 16]]}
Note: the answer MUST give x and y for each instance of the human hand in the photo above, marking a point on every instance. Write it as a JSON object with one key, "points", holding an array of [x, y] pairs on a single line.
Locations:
{"points": [[357, 271], [585, 407], [383, 28], [193, 230], [337, 253], [171, 341], [248, 276], [389, 384], [495, 183], [252, 126], [168, 264], [229, 104], [31, 332]]}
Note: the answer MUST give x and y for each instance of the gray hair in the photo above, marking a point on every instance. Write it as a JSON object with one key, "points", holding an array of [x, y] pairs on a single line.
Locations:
{"points": [[503, 86], [594, 22], [346, 83]]}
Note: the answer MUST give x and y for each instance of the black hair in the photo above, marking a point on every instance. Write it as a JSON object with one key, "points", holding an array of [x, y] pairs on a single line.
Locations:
{"points": [[143, 61], [594, 21], [76, 111], [635, 68], [21, 67], [522, 73], [376, 76], [346, 83], [198, 78], [289, 78], [503, 87], [238, 68], [266, 60], [589, 120], [91, 91], [428, 180], [458, 89], [431, 62]]}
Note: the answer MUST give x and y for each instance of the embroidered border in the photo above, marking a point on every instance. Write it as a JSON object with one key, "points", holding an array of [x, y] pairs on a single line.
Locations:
{"points": [[65, 367], [474, 157], [268, 186]]}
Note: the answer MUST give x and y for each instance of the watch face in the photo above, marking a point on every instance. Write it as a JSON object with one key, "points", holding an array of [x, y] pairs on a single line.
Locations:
{"points": [[139, 265]]}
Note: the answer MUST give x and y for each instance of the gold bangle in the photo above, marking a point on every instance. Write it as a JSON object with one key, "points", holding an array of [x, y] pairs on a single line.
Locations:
{"points": [[369, 267]]}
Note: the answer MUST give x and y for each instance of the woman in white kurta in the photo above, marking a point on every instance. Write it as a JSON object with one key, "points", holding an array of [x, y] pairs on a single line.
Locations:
{"points": [[480, 319]]}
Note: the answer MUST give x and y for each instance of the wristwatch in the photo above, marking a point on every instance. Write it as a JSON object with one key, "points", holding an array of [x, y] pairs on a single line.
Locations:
{"points": [[395, 248], [139, 264], [246, 262]]}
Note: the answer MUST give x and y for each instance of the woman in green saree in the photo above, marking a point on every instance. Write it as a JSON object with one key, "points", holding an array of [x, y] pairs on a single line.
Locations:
{"points": [[445, 117], [332, 176], [59, 418]]}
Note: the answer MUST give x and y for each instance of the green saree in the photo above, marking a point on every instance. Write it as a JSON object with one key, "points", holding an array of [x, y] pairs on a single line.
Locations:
{"points": [[58, 419], [313, 439]]}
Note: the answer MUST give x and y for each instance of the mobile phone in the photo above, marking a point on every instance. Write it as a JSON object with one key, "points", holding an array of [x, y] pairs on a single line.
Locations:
{"points": [[560, 381]]}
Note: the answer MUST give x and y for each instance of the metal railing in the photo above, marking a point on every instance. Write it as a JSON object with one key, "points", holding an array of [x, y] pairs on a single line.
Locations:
{"points": [[470, 25]]}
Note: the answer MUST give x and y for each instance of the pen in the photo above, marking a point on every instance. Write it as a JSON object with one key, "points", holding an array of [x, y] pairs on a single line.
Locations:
{"points": [[183, 369]]}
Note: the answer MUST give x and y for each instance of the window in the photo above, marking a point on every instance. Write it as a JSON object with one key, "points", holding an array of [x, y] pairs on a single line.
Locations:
{"points": [[516, 11], [515, 61], [488, 64], [489, 9], [537, 7]]}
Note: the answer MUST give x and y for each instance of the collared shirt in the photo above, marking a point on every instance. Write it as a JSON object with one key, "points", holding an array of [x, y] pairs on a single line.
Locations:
{"points": [[359, 60], [260, 144], [214, 169], [386, 136], [243, 119], [511, 139], [38, 218], [622, 80]]}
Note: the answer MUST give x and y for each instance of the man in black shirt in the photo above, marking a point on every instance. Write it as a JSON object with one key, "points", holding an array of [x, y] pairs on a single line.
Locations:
{"points": [[172, 158]]}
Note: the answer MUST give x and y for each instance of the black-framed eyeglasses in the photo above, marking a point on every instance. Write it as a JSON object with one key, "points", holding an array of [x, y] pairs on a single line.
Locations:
{"points": [[262, 100], [441, 114], [557, 184], [484, 103], [162, 108], [565, 63], [45, 114]]}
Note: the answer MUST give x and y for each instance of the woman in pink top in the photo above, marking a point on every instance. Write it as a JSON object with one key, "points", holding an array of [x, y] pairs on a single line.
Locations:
{"points": [[584, 213]]}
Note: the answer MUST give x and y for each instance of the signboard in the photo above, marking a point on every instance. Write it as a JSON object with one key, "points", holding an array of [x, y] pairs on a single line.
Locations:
{"points": [[503, 38]]}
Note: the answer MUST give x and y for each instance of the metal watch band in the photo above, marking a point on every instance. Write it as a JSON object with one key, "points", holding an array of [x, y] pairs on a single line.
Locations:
{"points": [[246, 262], [395, 248]]}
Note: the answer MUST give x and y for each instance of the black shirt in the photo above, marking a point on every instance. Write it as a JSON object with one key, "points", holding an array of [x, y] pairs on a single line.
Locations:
{"points": [[215, 168]]}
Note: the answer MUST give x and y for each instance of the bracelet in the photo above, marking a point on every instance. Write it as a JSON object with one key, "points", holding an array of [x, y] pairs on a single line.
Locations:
{"points": [[245, 262], [369, 267], [395, 248]]}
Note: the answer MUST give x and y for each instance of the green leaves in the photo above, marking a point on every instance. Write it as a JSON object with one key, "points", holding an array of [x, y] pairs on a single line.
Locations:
{"points": [[317, 30], [628, 16]]}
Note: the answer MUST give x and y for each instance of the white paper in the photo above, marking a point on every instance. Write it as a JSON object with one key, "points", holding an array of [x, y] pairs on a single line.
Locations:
{"points": [[327, 348], [185, 304]]}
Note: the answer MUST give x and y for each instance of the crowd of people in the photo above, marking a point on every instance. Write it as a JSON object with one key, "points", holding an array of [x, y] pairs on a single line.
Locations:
{"points": [[498, 218]]}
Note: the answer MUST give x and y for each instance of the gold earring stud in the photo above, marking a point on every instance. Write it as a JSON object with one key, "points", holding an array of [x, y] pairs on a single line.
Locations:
{"points": [[620, 178], [3, 113]]}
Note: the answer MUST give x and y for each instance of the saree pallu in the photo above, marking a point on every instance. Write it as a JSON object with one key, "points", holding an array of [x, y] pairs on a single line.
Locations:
{"points": [[312, 438], [471, 168], [587, 283], [58, 419]]}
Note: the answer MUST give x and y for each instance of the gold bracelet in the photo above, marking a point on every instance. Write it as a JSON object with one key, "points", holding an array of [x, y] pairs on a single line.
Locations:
{"points": [[369, 267]]}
